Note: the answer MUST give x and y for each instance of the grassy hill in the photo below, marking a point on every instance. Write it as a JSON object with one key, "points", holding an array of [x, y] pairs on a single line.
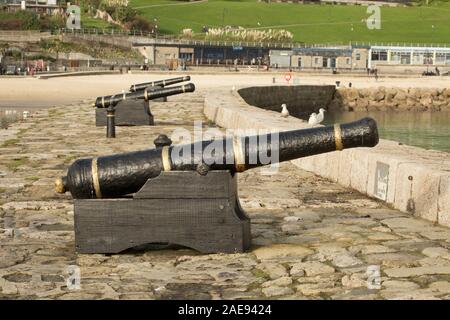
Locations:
{"points": [[309, 23]]}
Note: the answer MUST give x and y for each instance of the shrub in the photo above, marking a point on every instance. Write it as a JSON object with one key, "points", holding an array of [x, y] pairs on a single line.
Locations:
{"points": [[52, 22], [139, 23], [125, 14], [25, 20], [242, 34]]}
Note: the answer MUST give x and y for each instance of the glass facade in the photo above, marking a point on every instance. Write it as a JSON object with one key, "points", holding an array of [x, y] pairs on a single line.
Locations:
{"points": [[411, 55], [442, 58], [379, 55], [401, 57]]}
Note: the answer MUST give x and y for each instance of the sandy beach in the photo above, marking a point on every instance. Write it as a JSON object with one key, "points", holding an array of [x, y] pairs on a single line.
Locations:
{"points": [[40, 93]]}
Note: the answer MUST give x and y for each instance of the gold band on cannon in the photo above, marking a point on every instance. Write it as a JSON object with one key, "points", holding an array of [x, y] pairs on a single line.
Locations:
{"points": [[95, 180], [338, 137], [166, 158], [239, 154]]}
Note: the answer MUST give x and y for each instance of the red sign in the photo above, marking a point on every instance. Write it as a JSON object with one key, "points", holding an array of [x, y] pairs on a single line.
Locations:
{"points": [[288, 77]]}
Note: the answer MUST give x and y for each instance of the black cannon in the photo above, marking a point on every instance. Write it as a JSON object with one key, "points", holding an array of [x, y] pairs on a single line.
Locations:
{"points": [[159, 83], [186, 194], [122, 174], [131, 111]]}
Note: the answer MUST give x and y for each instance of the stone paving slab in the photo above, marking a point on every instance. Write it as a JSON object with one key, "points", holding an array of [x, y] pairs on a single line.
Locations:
{"points": [[312, 238]]}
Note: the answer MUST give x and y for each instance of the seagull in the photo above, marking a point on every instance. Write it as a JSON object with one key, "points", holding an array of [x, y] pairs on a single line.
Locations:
{"points": [[316, 118], [284, 111]]}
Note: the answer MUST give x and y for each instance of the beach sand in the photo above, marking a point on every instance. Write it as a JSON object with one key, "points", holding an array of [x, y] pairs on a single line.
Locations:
{"points": [[39, 93]]}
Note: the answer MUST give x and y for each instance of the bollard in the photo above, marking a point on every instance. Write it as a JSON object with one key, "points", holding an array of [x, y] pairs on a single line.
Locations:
{"points": [[110, 122]]}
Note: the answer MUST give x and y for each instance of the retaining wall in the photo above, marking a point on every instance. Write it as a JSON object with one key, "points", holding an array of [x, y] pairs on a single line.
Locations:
{"points": [[24, 36], [407, 178], [393, 99]]}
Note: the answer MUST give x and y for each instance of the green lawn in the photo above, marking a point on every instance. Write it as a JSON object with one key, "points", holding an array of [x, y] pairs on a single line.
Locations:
{"points": [[308, 23], [90, 22]]}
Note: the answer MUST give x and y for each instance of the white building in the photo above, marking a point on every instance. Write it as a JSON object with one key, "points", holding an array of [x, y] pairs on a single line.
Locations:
{"points": [[408, 56]]}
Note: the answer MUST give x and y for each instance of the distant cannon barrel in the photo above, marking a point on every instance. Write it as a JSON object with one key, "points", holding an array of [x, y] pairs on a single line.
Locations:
{"points": [[147, 94], [162, 83], [125, 173]]}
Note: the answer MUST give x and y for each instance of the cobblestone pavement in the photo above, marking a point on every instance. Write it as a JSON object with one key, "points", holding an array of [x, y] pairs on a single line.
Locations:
{"points": [[312, 239]]}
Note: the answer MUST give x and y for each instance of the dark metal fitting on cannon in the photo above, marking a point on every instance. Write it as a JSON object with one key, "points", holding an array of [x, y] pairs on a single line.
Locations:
{"points": [[60, 185], [202, 169], [162, 141]]}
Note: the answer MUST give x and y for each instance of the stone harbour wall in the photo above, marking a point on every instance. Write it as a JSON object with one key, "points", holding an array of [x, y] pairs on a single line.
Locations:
{"points": [[395, 99], [410, 179], [311, 238]]}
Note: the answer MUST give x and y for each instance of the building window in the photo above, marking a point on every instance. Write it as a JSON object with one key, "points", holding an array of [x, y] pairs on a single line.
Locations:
{"points": [[441, 57], [401, 57], [300, 62], [358, 56], [316, 60], [187, 56], [417, 57], [347, 61], [405, 58], [378, 55], [428, 58]]}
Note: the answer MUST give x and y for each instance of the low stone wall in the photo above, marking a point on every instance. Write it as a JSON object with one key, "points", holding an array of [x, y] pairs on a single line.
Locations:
{"points": [[413, 180], [395, 99], [24, 36]]}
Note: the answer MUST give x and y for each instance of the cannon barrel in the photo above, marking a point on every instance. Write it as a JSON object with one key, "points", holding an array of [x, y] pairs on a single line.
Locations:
{"points": [[162, 83], [125, 173], [147, 94]]}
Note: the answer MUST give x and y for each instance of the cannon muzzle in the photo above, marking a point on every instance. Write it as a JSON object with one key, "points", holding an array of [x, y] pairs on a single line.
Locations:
{"points": [[125, 173]]}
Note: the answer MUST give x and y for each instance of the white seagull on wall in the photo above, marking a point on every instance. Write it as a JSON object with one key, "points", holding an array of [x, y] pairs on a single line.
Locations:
{"points": [[316, 118], [284, 111]]}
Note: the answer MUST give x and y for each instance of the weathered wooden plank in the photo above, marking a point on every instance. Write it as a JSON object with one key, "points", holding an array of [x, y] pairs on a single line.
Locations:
{"points": [[208, 225], [216, 184]]}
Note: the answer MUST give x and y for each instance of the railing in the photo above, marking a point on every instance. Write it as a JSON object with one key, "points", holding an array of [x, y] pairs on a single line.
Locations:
{"points": [[398, 44], [170, 39], [225, 43], [104, 31]]}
